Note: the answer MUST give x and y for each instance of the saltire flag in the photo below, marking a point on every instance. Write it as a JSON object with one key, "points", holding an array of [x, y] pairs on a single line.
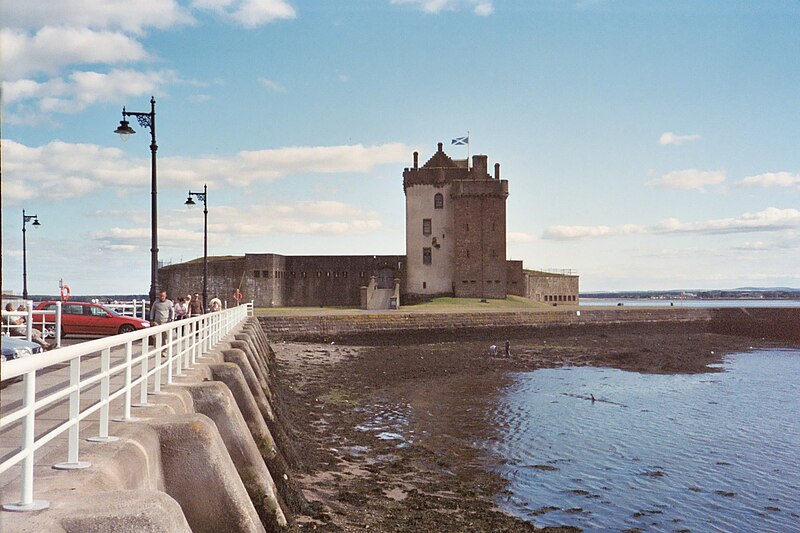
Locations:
{"points": [[460, 140]]}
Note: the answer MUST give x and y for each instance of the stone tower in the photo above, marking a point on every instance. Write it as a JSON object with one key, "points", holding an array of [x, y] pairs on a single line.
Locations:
{"points": [[455, 228]]}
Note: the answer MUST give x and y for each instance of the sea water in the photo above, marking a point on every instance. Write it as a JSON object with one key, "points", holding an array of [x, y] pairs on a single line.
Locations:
{"points": [[702, 452]]}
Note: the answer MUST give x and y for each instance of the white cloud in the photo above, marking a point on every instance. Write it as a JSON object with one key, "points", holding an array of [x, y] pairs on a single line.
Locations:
{"points": [[92, 14], [249, 13], [520, 237], [52, 48], [28, 101], [770, 219], [484, 9], [671, 138], [771, 179], [479, 7], [689, 179], [64, 170], [272, 85], [565, 233]]}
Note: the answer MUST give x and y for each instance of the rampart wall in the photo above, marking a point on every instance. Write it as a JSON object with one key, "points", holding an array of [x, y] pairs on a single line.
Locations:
{"points": [[778, 324]]}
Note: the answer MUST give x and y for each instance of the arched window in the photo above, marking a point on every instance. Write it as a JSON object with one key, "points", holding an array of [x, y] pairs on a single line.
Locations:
{"points": [[438, 201]]}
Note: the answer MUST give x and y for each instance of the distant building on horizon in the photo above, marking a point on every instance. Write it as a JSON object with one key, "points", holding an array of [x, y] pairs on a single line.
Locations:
{"points": [[455, 246]]}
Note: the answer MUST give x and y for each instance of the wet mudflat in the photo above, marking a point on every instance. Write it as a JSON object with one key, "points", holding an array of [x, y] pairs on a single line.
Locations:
{"points": [[399, 438]]}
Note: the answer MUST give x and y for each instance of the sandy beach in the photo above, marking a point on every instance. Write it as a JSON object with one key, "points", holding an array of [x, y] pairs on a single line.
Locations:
{"points": [[360, 478]]}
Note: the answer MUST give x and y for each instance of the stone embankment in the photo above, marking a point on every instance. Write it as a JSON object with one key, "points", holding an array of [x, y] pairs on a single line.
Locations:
{"points": [[400, 327], [208, 454]]}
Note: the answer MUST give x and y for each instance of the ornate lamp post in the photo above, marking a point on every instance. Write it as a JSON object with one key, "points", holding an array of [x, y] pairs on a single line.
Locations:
{"points": [[35, 224], [147, 120], [203, 197]]}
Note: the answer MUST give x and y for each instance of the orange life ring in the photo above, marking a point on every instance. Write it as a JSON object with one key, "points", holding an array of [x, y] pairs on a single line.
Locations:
{"points": [[237, 295], [64, 292]]}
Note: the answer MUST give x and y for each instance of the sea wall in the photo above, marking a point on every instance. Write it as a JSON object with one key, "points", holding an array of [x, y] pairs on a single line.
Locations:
{"points": [[207, 454], [400, 327]]}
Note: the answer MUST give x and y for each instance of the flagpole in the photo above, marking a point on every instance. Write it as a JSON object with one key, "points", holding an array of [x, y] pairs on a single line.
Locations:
{"points": [[468, 151]]}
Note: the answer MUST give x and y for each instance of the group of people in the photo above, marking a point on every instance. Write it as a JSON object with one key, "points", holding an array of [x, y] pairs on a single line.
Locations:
{"points": [[164, 310], [16, 327], [493, 349]]}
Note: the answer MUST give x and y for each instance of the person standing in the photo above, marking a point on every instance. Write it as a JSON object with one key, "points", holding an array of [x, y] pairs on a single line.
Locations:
{"points": [[508, 348], [162, 310], [181, 309], [195, 305]]}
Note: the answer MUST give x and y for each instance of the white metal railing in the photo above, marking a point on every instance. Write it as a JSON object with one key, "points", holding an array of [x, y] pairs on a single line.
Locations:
{"points": [[133, 308], [49, 327], [128, 362]]}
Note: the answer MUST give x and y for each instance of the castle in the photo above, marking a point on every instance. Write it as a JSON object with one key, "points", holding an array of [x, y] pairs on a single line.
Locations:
{"points": [[455, 246]]}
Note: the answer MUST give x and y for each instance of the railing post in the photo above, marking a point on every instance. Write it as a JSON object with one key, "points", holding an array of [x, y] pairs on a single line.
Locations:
{"points": [[126, 409], [157, 366], [172, 355], [27, 503], [105, 390], [29, 320], [187, 356], [145, 357], [58, 324], [74, 411]]}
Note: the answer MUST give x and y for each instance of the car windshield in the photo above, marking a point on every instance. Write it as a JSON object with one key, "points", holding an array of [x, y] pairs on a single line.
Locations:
{"points": [[106, 309]]}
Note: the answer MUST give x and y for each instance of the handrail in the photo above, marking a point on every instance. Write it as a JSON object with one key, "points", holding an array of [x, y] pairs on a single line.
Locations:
{"points": [[28, 315], [175, 348]]}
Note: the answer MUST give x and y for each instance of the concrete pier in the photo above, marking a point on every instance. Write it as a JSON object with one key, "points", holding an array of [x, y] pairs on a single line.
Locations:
{"points": [[196, 457]]}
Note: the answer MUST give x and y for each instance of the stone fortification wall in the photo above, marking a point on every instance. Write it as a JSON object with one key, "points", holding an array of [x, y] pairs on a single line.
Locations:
{"points": [[274, 280], [422, 327], [776, 324], [556, 289]]}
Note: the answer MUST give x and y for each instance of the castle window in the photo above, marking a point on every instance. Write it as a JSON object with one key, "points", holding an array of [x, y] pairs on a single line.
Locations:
{"points": [[466, 227], [426, 226], [467, 254], [426, 256], [438, 201], [304, 274], [424, 285], [256, 273], [344, 274], [265, 273]]}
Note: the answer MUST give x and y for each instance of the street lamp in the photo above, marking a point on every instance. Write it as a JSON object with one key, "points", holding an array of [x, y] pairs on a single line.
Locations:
{"points": [[35, 224], [147, 120], [203, 197]]}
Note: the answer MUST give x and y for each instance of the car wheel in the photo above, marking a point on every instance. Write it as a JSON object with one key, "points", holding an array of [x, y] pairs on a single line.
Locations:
{"points": [[126, 328]]}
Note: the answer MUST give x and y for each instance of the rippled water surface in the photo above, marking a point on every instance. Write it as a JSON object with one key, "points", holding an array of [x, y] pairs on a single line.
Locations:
{"points": [[707, 452]]}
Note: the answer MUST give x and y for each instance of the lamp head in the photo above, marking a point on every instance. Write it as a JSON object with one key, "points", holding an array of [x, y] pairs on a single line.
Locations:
{"points": [[35, 223], [190, 201], [124, 129]]}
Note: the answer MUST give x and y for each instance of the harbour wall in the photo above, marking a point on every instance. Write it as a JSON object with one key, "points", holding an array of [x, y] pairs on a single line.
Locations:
{"points": [[780, 324], [208, 453]]}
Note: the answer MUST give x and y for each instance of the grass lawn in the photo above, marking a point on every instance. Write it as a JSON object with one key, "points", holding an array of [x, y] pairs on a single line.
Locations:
{"points": [[437, 305]]}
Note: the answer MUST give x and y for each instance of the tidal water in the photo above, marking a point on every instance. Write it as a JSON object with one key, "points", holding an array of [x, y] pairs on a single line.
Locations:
{"points": [[645, 302], [706, 452]]}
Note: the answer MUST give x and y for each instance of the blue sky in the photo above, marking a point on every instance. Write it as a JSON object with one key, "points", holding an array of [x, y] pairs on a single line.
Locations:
{"points": [[648, 145]]}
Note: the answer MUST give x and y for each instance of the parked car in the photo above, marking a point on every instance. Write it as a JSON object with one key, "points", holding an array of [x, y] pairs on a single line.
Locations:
{"points": [[14, 348], [86, 318]]}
